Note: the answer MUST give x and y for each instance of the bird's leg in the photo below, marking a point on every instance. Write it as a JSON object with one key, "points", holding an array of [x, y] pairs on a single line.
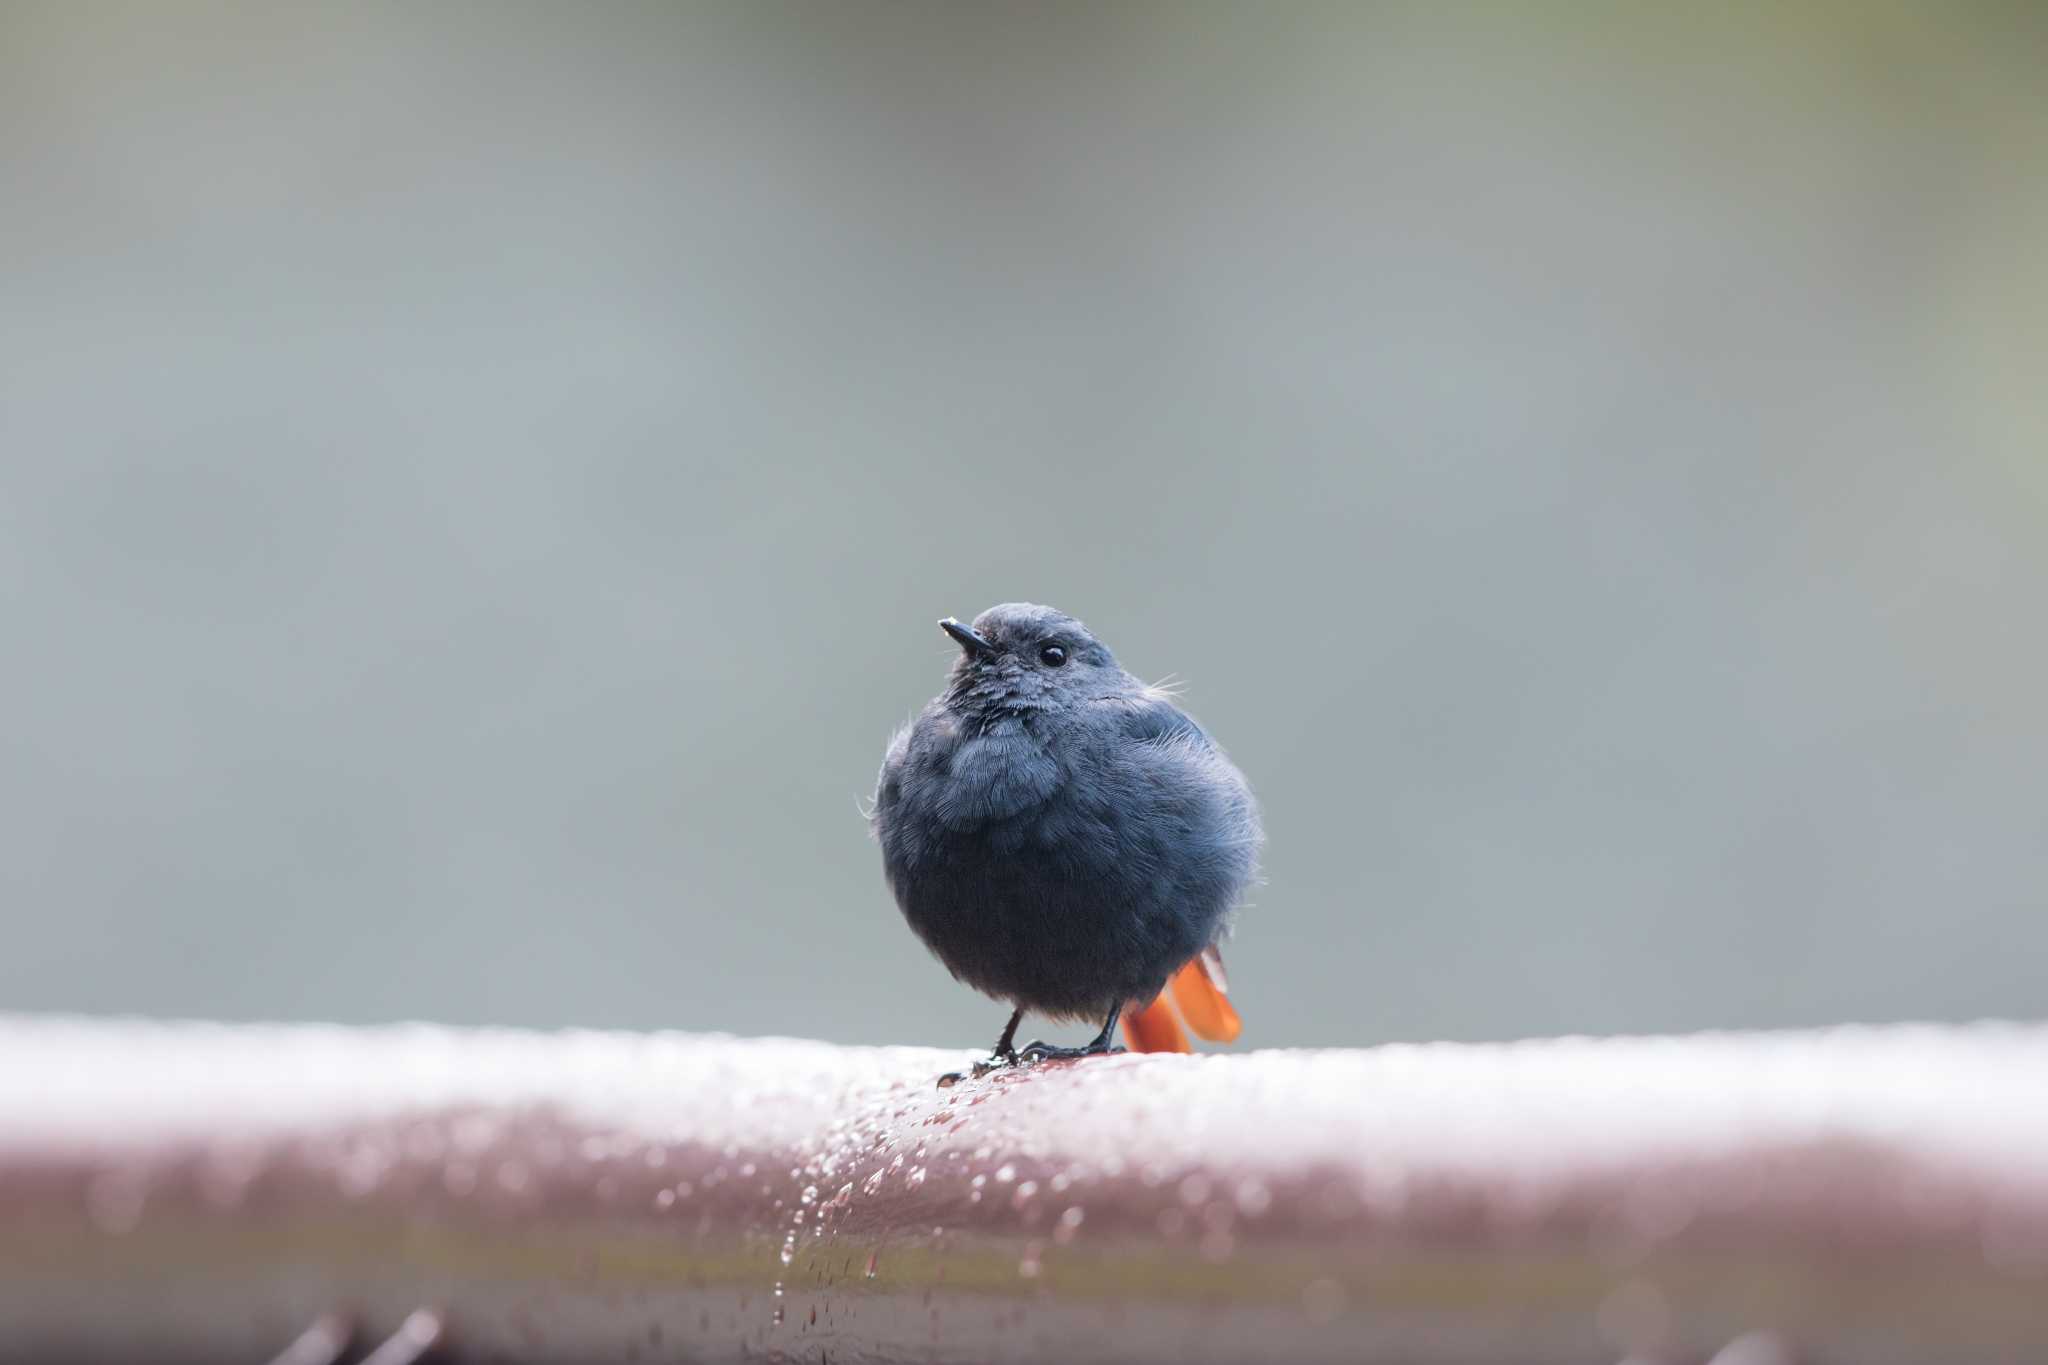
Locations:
{"points": [[1100, 1044], [1005, 1053]]}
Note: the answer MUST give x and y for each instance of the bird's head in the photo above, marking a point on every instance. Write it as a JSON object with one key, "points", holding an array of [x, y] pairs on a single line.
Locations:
{"points": [[1026, 656]]}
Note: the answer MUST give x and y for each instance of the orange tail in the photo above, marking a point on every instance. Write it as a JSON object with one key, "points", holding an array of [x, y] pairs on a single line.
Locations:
{"points": [[1154, 1028], [1202, 994]]}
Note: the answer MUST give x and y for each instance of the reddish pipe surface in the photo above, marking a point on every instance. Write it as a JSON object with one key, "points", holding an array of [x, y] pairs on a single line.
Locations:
{"points": [[199, 1192]]}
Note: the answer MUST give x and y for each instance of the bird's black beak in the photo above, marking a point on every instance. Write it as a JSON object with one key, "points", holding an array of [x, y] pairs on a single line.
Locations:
{"points": [[970, 643]]}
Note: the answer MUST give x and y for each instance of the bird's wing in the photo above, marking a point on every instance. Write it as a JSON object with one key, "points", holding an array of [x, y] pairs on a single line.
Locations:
{"points": [[1199, 989], [1151, 715]]}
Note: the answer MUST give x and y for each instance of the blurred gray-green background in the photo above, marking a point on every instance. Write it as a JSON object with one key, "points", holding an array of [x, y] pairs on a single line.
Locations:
{"points": [[476, 484]]}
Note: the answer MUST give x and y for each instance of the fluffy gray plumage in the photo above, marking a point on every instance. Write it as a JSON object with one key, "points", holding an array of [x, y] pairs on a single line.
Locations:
{"points": [[1060, 835]]}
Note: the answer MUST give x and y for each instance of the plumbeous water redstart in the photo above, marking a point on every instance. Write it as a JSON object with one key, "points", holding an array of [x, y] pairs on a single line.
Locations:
{"points": [[1065, 838]]}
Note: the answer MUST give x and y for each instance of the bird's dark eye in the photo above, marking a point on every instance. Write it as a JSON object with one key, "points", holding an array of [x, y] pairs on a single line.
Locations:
{"points": [[1052, 656]]}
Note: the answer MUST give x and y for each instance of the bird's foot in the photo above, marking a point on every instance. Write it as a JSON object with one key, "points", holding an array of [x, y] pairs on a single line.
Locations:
{"points": [[995, 1061], [1004, 1057]]}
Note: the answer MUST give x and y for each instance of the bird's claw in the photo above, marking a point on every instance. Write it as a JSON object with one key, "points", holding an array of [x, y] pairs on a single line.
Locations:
{"points": [[1039, 1051], [995, 1061], [1030, 1054]]}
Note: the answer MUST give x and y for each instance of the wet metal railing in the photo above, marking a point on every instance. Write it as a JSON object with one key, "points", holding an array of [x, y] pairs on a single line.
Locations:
{"points": [[210, 1193]]}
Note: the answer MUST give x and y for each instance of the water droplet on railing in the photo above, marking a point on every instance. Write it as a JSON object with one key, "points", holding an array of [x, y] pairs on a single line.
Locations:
{"points": [[1069, 1223], [1030, 1265]]}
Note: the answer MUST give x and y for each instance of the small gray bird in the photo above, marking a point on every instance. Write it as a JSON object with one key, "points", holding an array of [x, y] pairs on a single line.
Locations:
{"points": [[1066, 839]]}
